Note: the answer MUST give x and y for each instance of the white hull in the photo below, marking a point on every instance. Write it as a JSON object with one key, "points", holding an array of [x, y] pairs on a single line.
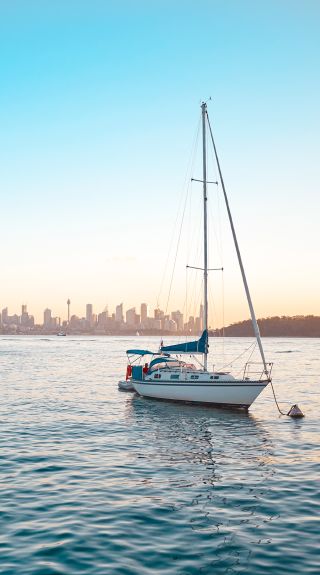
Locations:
{"points": [[237, 393]]}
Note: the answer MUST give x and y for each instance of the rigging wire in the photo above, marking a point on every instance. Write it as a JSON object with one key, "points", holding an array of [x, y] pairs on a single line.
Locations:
{"points": [[214, 316], [223, 316], [250, 356], [216, 236], [176, 253], [188, 171], [253, 344], [194, 291], [194, 240], [186, 306]]}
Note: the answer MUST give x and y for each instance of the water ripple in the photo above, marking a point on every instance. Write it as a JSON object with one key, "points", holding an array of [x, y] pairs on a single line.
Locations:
{"points": [[96, 482]]}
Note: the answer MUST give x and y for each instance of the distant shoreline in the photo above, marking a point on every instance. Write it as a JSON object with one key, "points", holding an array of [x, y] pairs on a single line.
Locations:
{"points": [[160, 335], [277, 326], [134, 335]]}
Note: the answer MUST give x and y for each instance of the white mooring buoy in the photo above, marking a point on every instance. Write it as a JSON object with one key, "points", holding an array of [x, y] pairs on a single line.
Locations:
{"points": [[295, 411]]}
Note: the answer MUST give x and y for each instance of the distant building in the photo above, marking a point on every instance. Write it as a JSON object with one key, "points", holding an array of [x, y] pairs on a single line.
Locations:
{"points": [[4, 315], [24, 320], [111, 322], [170, 325], [201, 316], [47, 317], [190, 326], [78, 324], [119, 314], [198, 325], [89, 314], [156, 324], [177, 316], [158, 313], [102, 319], [74, 322], [144, 314], [131, 317]]}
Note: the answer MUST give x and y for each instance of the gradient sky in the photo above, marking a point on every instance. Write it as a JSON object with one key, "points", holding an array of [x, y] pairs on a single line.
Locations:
{"points": [[99, 104]]}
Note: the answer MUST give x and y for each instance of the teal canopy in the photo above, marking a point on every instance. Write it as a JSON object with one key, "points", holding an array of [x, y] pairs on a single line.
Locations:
{"points": [[198, 346], [140, 352]]}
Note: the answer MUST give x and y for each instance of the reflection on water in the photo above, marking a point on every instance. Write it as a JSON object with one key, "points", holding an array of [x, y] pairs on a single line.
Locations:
{"points": [[95, 481], [213, 466]]}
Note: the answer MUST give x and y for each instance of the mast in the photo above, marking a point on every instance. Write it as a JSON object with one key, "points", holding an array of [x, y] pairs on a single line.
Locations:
{"points": [[205, 231], [244, 279]]}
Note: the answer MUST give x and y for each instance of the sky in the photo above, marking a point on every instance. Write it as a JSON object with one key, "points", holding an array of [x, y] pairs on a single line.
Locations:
{"points": [[99, 107]]}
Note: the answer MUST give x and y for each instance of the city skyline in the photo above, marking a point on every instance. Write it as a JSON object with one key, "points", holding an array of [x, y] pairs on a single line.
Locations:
{"points": [[104, 322]]}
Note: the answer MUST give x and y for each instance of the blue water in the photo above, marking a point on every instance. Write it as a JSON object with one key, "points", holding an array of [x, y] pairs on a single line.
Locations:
{"points": [[94, 481]]}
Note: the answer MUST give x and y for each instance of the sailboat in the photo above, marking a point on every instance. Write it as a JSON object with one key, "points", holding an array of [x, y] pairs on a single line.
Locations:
{"points": [[170, 378]]}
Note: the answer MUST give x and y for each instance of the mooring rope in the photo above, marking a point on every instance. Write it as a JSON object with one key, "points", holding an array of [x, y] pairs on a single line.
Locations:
{"points": [[275, 399]]}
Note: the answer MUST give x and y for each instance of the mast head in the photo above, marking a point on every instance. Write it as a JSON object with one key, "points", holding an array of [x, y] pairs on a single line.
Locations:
{"points": [[204, 104]]}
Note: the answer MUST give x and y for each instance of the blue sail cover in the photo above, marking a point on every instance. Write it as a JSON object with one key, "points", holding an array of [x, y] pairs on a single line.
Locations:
{"points": [[199, 346], [165, 359]]}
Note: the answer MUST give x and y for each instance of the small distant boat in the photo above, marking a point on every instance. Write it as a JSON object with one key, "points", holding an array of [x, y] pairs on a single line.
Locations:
{"points": [[61, 334]]}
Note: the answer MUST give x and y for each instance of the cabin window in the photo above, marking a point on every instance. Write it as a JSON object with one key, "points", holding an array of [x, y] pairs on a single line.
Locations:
{"points": [[157, 375], [194, 377], [174, 376], [216, 377]]}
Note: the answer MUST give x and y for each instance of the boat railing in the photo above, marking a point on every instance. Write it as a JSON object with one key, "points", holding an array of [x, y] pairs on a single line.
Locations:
{"points": [[256, 370]]}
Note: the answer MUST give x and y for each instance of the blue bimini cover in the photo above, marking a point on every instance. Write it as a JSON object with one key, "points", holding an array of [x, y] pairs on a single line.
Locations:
{"points": [[140, 352], [198, 346]]}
